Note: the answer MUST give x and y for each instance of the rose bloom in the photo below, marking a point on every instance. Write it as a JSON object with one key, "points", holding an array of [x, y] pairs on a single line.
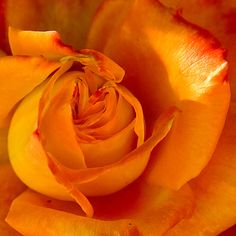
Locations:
{"points": [[129, 130]]}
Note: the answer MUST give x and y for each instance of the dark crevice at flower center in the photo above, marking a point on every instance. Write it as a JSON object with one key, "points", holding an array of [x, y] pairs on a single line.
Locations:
{"points": [[74, 103]]}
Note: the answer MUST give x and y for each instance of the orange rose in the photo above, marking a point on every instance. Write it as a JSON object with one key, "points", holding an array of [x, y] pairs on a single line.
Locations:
{"points": [[80, 134]]}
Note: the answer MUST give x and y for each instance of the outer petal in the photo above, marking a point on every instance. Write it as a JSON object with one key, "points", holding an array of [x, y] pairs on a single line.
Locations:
{"points": [[222, 12], [10, 187], [138, 210], [19, 75], [70, 18], [169, 62], [215, 189]]}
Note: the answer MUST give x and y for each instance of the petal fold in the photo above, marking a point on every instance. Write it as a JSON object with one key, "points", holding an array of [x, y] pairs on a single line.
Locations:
{"points": [[36, 43]]}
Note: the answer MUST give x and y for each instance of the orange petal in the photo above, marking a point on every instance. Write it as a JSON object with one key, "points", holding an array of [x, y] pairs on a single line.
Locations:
{"points": [[49, 216], [222, 12], [10, 187], [215, 188], [70, 18], [170, 62], [36, 43], [19, 75], [56, 126], [23, 141], [139, 209]]}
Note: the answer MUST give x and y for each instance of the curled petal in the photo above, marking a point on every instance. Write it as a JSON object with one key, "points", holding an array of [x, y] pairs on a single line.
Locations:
{"points": [[23, 141], [36, 43], [104, 66], [56, 123]]}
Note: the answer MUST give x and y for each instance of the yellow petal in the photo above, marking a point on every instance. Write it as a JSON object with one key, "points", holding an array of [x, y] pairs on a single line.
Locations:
{"points": [[10, 188], [169, 62], [19, 75]]}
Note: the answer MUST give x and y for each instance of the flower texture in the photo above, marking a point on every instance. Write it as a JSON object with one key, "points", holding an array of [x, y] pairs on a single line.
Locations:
{"points": [[123, 138]]}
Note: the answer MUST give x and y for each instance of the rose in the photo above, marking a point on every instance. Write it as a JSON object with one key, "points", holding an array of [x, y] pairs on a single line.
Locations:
{"points": [[87, 126], [140, 211]]}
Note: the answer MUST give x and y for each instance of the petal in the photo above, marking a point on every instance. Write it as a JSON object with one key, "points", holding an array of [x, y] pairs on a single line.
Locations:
{"points": [[70, 18], [49, 221], [56, 123], [10, 187], [19, 75], [139, 209], [169, 62], [23, 141], [36, 43], [222, 12], [215, 188]]}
